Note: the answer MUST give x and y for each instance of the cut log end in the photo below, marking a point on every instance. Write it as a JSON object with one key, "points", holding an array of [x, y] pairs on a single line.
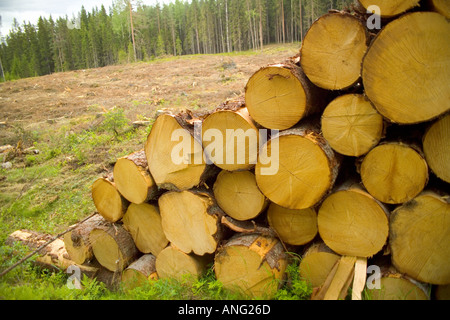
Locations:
{"points": [[436, 148], [140, 272], [108, 201], [389, 8]]}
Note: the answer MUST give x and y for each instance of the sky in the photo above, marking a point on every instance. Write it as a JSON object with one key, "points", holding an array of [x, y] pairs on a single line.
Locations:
{"points": [[30, 10]]}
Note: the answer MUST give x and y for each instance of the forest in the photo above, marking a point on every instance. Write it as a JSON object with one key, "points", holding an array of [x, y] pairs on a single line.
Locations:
{"points": [[130, 31]]}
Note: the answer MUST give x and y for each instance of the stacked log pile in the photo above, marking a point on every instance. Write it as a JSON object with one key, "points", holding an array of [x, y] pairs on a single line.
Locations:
{"points": [[346, 161]]}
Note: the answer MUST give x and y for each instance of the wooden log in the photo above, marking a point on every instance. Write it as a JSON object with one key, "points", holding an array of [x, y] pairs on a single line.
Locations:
{"points": [[333, 49], [440, 6], [390, 8], [295, 227], [436, 148], [317, 263], [353, 223], [143, 221], [351, 125], [174, 157], [298, 168], [173, 263], [140, 272], [394, 172], [230, 137], [238, 195], [133, 180], [419, 238], [278, 96], [394, 285], [407, 80], [251, 264], [113, 246], [191, 221], [107, 199], [77, 241], [52, 257], [442, 292]]}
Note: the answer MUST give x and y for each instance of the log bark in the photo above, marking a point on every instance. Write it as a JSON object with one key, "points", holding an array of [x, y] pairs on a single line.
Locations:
{"points": [[394, 172], [390, 8], [295, 227], [77, 241], [133, 180], [113, 246], [251, 264], [110, 204], [175, 157], [419, 238], [230, 137], [238, 195], [406, 80], [351, 125], [436, 148], [353, 223], [298, 168], [191, 221], [333, 50], [144, 224], [140, 272], [278, 96], [173, 263]]}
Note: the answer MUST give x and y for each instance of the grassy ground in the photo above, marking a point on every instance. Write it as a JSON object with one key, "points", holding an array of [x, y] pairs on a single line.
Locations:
{"points": [[80, 123]]}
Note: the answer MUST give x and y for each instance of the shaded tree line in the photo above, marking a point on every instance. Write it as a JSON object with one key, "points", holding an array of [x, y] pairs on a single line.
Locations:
{"points": [[131, 31]]}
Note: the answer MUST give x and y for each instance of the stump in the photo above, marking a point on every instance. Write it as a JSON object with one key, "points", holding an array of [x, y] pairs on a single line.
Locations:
{"points": [[144, 224], [436, 148], [408, 80], [353, 223], [251, 264], [238, 195], [333, 49], [394, 172], [351, 125], [191, 221], [419, 238]]}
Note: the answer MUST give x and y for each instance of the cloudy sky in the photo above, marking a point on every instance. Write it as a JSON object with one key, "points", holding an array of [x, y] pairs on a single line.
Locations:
{"points": [[30, 10]]}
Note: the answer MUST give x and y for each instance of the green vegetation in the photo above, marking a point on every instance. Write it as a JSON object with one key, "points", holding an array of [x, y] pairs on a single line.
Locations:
{"points": [[98, 38]]}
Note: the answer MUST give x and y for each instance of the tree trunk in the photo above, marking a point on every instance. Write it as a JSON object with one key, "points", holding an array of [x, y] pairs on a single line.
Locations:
{"points": [[297, 169], [133, 180], [419, 238], [173, 263], [317, 263], [140, 272], [436, 148], [231, 138], [351, 125], [391, 8], [295, 227], [332, 51], [251, 264], [174, 157], [278, 96], [394, 172], [415, 76], [113, 246], [352, 223], [108, 201], [191, 221], [144, 224], [77, 241], [238, 195]]}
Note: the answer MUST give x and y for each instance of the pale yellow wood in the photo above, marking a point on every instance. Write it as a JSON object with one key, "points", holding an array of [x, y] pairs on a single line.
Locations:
{"points": [[316, 264], [108, 201], [340, 283], [397, 287], [359, 280], [408, 80], [441, 6], [389, 8], [436, 148]]}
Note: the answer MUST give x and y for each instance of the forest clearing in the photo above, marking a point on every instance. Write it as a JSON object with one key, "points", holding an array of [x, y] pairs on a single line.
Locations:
{"points": [[337, 187]]}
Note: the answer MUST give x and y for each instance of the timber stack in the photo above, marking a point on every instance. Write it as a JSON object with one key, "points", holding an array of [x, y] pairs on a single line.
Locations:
{"points": [[340, 154]]}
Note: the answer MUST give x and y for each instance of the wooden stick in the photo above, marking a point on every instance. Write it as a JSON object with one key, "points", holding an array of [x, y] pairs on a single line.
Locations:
{"points": [[4, 272]]}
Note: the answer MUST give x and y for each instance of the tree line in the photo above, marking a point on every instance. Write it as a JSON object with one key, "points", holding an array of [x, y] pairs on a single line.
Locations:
{"points": [[132, 31]]}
